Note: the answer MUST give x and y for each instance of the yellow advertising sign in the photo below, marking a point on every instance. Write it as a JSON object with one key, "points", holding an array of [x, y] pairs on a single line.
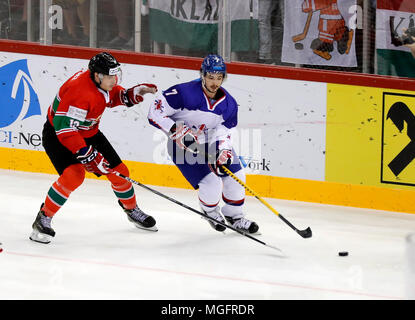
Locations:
{"points": [[368, 136], [398, 134]]}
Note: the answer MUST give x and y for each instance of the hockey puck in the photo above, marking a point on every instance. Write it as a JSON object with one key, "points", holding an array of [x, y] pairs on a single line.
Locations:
{"points": [[343, 253], [299, 46]]}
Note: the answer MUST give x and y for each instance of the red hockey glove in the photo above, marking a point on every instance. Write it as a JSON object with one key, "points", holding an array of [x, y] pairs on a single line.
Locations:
{"points": [[93, 161], [135, 94], [224, 158], [184, 137]]}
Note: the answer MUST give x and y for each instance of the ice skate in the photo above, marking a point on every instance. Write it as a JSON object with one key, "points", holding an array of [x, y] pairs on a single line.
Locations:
{"points": [[42, 230], [215, 214], [243, 224], [139, 218]]}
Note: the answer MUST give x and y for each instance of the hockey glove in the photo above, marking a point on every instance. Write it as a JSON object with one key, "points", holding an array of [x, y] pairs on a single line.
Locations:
{"points": [[184, 137], [93, 161], [224, 158], [135, 94]]}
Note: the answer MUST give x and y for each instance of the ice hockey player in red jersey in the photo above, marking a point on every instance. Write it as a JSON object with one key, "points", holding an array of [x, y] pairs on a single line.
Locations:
{"points": [[74, 143]]}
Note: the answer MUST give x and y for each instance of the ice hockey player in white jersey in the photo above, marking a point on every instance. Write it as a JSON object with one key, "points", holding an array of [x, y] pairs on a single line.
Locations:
{"points": [[198, 117]]}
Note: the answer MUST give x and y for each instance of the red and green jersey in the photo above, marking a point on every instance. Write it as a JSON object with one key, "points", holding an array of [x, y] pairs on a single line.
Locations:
{"points": [[78, 107]]}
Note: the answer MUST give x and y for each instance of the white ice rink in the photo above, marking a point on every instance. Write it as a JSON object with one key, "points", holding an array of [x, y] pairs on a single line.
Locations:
{"points": [[98, 254]]}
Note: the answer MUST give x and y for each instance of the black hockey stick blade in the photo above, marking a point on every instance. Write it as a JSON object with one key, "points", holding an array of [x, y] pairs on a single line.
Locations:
{"points": [[306, 233]]}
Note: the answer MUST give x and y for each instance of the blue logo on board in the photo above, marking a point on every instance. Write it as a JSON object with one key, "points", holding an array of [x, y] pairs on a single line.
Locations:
{"points": [[17, 96]]}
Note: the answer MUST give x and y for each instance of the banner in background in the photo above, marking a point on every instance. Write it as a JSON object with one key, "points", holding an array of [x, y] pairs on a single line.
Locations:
{"points": [[392, 16], [190, 24], [18, 99], [320, 32], [264, 138]]}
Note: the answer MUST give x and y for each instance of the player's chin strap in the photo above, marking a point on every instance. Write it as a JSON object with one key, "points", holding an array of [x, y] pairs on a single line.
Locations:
{"points": [[306, 233], [193, 210]]}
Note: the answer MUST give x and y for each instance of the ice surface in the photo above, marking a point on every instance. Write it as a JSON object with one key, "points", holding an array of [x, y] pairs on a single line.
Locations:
{"points": [[98, 254]]}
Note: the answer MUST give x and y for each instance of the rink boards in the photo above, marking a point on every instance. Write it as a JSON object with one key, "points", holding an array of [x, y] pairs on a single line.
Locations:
{"points": [[297, 139]]}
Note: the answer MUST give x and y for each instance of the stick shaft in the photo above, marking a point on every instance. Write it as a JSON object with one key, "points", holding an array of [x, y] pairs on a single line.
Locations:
{"points": [[192, 209]]}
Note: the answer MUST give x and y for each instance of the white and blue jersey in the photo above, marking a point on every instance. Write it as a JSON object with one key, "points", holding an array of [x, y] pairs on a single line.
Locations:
{"points": [[186, 102], [210, 120]]}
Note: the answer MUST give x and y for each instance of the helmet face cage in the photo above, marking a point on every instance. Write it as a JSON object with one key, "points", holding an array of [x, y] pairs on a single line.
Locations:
{"points": [[105, 64], [213, 63]]}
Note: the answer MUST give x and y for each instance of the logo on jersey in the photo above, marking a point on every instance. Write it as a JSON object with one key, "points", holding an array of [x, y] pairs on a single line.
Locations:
{"points": [[18, 99], [158, 105]]}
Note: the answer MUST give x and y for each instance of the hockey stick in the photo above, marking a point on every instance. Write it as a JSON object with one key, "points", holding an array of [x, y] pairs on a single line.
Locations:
{"points": [[302, 36], [191, 209], [306, 233]]}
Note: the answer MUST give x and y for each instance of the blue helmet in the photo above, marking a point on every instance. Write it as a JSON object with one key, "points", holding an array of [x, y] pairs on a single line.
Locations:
{"points": [[213, 63]]}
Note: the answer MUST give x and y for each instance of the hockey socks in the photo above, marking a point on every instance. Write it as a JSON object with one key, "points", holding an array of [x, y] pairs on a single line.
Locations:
{"points": [[71, 178], [125, 194], [123, 189], [55, 199]]}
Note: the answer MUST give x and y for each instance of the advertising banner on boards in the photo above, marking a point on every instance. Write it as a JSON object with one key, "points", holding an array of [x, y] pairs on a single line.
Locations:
{"points": [[282, 137]]}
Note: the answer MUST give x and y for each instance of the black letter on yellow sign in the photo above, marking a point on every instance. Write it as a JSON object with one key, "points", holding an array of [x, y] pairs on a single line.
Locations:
{"points": [[398, 113]]}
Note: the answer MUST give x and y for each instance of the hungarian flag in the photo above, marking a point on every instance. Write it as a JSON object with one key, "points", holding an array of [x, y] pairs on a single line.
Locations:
{"points": [[190, 24], [320, 32], [392, 16]]}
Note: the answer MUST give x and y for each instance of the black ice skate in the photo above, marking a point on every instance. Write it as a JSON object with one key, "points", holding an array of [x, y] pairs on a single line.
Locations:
{"points": [[215, 214], [244, 225], [139, 218], [42, 230]]}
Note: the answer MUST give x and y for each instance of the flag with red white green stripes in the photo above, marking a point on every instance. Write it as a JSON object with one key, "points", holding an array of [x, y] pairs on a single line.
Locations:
{"points": [[392, 16], [189, 24]]}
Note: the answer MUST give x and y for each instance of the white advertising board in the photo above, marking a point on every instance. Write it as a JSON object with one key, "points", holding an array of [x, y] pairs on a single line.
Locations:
{"points": [[281, 130]]}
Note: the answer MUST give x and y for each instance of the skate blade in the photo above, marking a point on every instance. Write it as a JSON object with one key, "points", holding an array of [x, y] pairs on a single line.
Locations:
{"points": [[258, 233], [40, 237], [153, 228], [214, 227], [211, 223]]}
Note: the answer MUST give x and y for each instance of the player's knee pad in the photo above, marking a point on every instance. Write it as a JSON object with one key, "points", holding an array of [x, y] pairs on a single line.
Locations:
{"points": [[72, 177]]}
